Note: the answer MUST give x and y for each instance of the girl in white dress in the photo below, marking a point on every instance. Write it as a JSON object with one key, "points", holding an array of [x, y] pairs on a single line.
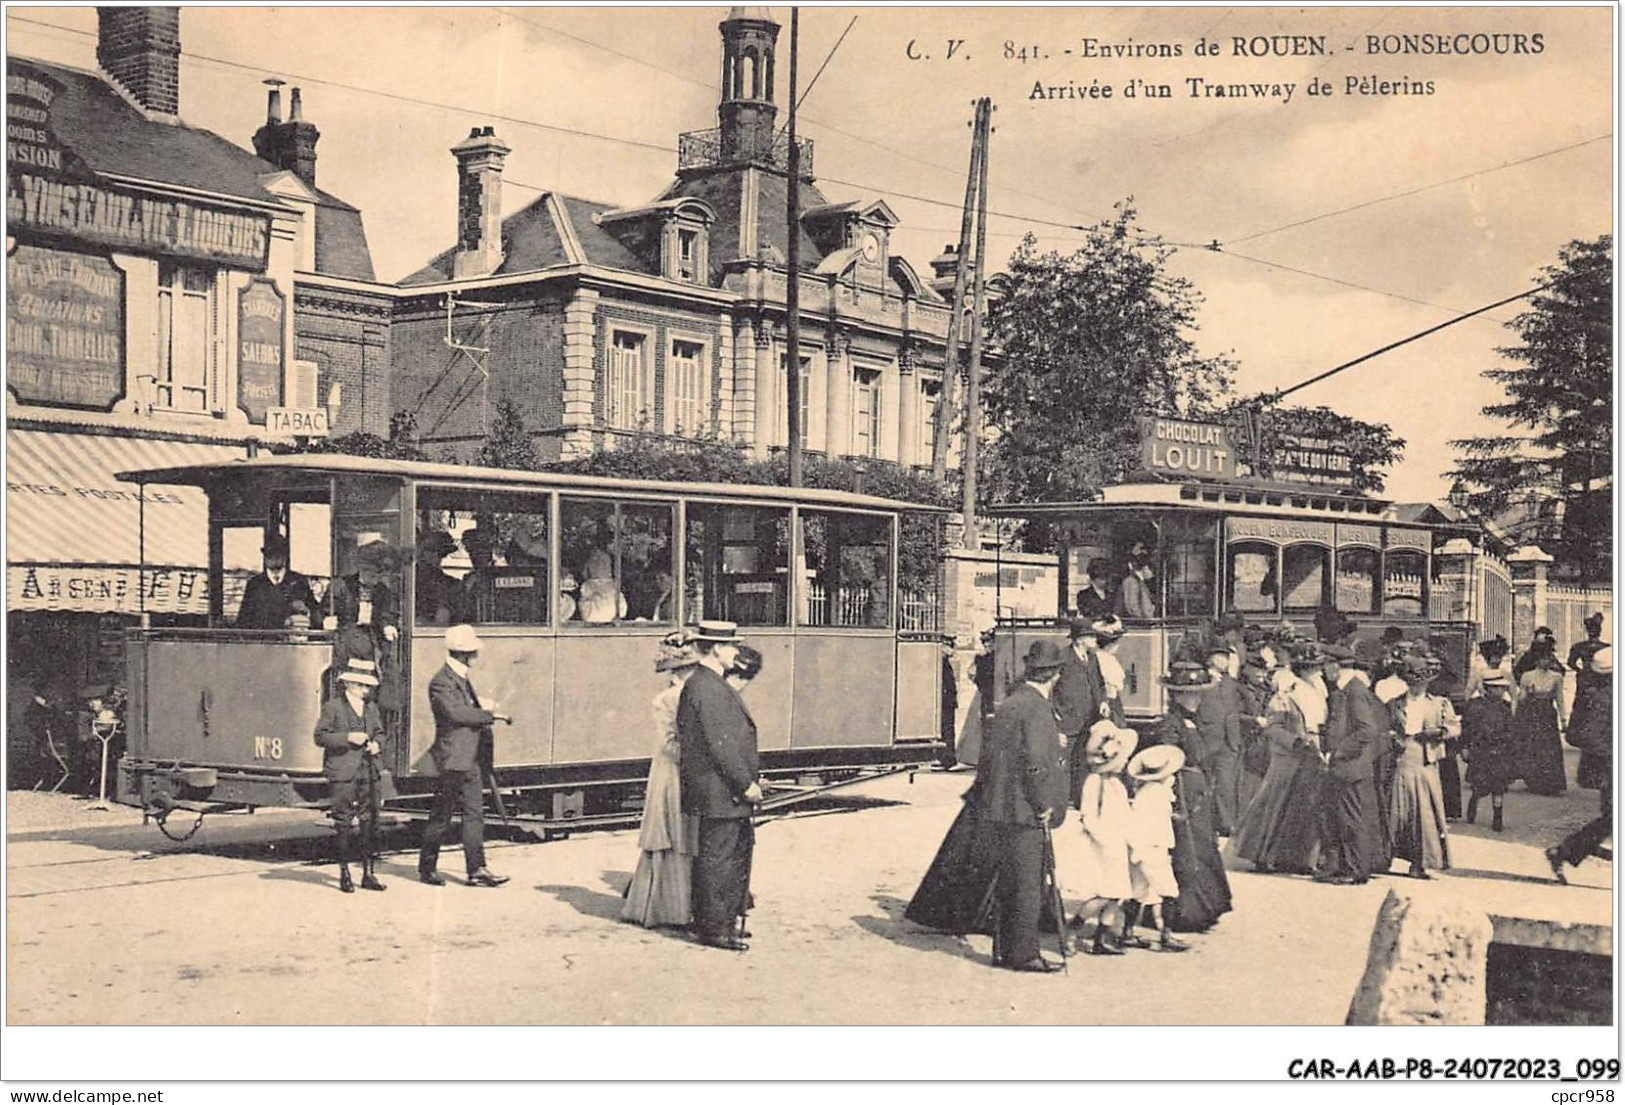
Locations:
{"points": [[1151, 841], [1102, 874]]}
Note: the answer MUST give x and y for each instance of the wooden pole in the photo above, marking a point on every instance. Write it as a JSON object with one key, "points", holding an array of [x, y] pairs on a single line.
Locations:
{"points": [[973, 376], [950, 360], [792, 282]]}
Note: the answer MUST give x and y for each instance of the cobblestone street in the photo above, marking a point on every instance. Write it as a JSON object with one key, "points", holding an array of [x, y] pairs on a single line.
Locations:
{"points": [[112, 924]]}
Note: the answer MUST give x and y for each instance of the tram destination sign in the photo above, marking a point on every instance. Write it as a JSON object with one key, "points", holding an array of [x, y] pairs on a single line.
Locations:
{"points": [[1177, 447]]}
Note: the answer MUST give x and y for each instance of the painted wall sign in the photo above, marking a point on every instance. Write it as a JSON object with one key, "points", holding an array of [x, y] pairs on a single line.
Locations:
{"points": [[30, 141], [94, 213], [1278, 530], [1176, 447], [1349, 534], [1409, 539], [259, 349], [1313, 460], [107, 590], [64, 328]]}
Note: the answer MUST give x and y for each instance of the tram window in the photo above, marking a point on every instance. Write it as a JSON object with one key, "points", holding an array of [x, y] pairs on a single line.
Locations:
{"points": [[1303, 570], [617, 562], [846, 564], [481, 557], [1402, 584], [1356, 589], [241, 560], [737, 564], [1187, 568], [1254, 587]]}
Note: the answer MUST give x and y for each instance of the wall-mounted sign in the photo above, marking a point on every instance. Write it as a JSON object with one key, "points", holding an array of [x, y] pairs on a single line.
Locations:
{"points": [[107, 590], [1280, 531], [259, 348], [64, 328], [1312, 460], [1350, 534], [96, 214], [300, 422], [1409, 539], [1179, 448], [30, 141]]}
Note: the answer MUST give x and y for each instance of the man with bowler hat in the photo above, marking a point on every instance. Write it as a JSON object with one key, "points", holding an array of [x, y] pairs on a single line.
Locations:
{"points": [[719, 786], [462, 724], [1023, 777], [272, 597]]}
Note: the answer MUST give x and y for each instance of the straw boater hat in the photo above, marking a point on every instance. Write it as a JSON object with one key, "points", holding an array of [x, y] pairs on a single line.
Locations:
{"points": [[360, 671], [461, 638], [1187, 675], [1109, 628], [717, 632], [1498, 677], [1109, 746], [1044, 657], [676, 651], [1154, 764]]}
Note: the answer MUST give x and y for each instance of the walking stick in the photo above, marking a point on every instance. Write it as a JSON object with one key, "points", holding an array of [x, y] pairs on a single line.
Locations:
{"points": [[1055, 902]]}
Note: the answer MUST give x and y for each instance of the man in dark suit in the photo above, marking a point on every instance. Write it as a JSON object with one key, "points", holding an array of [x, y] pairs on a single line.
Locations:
{"points": [[1356, 723], [719, 765], [1079, 695], [461, 727], [1094, 597], [1023, 777], [271, 597], [1219, 722]]}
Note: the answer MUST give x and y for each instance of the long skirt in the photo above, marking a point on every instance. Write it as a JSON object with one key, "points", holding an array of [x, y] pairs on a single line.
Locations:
{"points": [[1278, 832], [1224, 773], [661, 892], [956, 894], [1416, 818], [1351, 828], [1540, 749], [1204, 888], [722, 873]]}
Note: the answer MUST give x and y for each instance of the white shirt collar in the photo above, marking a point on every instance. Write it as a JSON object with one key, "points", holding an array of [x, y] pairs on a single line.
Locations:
{"points": [[458, 668], [357, 703], [276, 577]]}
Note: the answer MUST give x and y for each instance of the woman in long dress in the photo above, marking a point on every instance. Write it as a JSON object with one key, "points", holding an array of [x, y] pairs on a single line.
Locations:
{"points": [[661, 889], [1416, 817], [1535, 723], [1487, 742], [1198, 868], [1278, 831]]}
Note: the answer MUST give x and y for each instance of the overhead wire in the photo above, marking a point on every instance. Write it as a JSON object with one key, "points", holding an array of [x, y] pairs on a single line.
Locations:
{"points": [[1029, 220]]}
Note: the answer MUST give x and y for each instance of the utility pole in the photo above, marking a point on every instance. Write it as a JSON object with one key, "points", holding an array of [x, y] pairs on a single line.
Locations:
{"points": [[950, 361], [973, 377], [792, 282]]}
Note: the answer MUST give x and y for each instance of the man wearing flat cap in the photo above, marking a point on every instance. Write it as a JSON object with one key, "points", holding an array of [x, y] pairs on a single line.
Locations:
{"points": [[272, 597], [1023, 778], [719, 765]]}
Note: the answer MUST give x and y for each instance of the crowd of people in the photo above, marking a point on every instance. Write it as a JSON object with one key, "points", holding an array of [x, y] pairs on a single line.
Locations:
{"points": [[1305, 757]]}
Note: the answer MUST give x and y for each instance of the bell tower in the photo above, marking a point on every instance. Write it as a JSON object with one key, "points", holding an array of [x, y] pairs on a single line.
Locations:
{"points": [[746, 112]]}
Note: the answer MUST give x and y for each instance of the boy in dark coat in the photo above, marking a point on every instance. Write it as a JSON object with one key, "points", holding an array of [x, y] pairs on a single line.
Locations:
{"points": [[719, 785], [1023, 781], [351, 735]]}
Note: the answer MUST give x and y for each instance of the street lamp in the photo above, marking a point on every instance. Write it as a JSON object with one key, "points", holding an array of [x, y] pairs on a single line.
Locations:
{"points": [[1460, 498]]}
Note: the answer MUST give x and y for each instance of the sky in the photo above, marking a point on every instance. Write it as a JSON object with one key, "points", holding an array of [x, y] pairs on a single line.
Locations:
{"points": [[1466, 172]]}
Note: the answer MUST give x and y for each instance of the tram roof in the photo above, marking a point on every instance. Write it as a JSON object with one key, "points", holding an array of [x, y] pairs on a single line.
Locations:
{"points": [[1298, 500], [344, 464]]}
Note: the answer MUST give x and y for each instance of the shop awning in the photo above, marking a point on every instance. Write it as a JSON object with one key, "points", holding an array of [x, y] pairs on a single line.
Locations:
{"points": [[73, 531]]}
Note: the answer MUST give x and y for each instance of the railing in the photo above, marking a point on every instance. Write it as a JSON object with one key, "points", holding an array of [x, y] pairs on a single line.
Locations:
{"points": [[919, 612], [702, 149]]}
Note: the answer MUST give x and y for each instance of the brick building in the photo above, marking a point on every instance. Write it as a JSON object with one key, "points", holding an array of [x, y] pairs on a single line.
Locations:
{"points": [[602, 320], [166, 289]]}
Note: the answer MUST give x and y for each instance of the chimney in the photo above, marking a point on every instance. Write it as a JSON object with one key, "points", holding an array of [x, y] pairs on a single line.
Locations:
{"points": [[140, 49], [290, 145], [479, 203]]}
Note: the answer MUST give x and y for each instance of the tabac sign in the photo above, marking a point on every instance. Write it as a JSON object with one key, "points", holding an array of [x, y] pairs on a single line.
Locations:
{"points": [[1176, 447]]}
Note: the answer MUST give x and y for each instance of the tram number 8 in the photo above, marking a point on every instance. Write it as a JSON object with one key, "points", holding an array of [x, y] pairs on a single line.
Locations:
{"points": [[267, 748]]}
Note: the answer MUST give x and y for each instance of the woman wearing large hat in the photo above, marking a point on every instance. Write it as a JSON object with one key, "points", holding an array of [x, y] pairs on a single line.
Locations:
{"points": [[1279, 830], [662, 885], [1416, 816], [1204, 888]]}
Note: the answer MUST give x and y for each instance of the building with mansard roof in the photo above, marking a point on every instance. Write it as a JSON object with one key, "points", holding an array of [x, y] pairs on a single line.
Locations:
{"points": [[601, 320]]}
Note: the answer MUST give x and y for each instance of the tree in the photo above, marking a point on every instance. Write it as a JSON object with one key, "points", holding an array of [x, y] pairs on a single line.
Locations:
{"points": [[508, 443], [1371, 446], [1556, 465], [1086, 342]]}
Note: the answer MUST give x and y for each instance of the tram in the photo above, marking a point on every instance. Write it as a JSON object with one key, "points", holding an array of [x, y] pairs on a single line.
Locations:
{"points": [[570, 582], [1270, 552]]}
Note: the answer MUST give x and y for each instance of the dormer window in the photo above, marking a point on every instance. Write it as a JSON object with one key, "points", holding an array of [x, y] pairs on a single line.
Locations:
{"points": [[688, 252]]}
